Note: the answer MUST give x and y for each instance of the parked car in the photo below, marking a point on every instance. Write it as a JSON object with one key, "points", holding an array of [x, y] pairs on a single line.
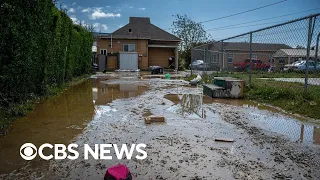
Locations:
{"points": [[197, 65], [256, 65], [201, 65], [290, 67], [302, 66]]}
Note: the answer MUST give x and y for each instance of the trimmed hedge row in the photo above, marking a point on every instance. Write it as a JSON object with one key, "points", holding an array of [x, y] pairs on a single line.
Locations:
{"points": [[40, 47]]}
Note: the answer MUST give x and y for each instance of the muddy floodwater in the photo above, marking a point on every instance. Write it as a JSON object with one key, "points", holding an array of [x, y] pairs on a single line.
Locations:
{"points": [[291, 125], [60, 119], [268, 143]]}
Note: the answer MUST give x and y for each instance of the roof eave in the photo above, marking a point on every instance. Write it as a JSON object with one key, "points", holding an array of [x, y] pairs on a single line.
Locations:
{"points": [[162, 46], [176, 40]]}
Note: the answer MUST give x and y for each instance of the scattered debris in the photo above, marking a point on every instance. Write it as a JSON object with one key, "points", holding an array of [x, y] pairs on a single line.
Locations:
{"points": [[167, 76], [156, 69], [127, 70], [224, 87], [224, 139], [150, 119]]}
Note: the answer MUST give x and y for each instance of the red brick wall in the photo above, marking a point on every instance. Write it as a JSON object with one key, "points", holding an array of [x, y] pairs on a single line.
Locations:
{"points": [[117, 46], [147, 56]]}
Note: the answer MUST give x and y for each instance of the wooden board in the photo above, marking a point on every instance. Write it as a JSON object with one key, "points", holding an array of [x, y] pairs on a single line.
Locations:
{"points": [[150, 119], [224, 139]]}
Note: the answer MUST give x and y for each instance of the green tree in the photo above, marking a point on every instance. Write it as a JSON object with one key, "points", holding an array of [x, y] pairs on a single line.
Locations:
{"points": [[191, 33], [40, 48]]}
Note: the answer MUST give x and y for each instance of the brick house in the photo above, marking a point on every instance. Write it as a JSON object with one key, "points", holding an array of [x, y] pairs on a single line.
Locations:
{"points": [[239, 51], [137, 45]]}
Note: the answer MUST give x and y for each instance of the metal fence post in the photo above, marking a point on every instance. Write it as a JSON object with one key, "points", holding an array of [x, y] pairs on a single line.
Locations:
{"points": [[308, 55], [222, 56], [192, 55], [204, 59], [250, 56], [317, 48]]}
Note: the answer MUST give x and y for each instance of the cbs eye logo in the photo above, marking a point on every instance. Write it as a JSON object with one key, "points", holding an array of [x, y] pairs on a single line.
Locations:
{"points": [[28, 151]]}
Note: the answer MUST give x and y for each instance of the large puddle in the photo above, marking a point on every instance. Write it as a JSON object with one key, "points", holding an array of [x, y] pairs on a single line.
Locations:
{"points": [[187, 105], [60, 119], [292, 126]]}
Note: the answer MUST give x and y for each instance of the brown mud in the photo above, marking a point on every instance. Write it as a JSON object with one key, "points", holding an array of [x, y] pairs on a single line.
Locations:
{"points": [[269, 144]]}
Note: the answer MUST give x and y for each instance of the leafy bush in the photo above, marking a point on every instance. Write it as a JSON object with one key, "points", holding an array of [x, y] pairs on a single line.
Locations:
{"points": [[40, 47]]}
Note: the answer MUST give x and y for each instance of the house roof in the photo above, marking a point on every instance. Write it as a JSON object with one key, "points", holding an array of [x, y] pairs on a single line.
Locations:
{"points": [[245, 46], [294, 53], [141, 28]]}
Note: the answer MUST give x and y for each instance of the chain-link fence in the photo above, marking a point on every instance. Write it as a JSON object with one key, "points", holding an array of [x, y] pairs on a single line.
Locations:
{"points": [[286, 52]]}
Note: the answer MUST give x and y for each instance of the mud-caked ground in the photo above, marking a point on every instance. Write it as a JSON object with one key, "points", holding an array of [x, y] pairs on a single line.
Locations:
{"points": [[184, 147]]}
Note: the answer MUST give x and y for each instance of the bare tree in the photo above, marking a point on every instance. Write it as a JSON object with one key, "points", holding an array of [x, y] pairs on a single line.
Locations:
{"points": [[90, 28]]}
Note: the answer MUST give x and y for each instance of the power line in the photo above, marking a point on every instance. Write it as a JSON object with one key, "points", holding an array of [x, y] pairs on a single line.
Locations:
{"points": [[243, 12], [226, 27], [239, 12], [247, 25], [218, 28]]}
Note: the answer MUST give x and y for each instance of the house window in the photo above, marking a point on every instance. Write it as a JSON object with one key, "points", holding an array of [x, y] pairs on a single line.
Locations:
{"points": [[230, 58], [254, 56], [103, 51], [129, 47], [271, 59], [213, 57], [104, 90], [281, 61]]}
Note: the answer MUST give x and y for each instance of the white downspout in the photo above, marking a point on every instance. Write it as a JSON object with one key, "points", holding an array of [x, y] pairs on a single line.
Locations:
{"points": [[111, 41]]}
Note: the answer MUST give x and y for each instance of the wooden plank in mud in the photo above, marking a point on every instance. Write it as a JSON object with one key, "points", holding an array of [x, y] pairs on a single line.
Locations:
{"points": [[150, 119], [224, 139]]}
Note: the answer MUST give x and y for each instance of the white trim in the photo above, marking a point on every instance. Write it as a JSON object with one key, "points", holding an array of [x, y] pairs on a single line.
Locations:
{"points": [[104, 50], [162, 46]]}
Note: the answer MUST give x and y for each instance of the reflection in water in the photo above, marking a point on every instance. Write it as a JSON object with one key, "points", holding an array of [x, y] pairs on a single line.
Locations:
{"points": [[190, 105], [187, 105], [60, 119], [316, 135], [55, 120], [296, 130], [105, 93]]}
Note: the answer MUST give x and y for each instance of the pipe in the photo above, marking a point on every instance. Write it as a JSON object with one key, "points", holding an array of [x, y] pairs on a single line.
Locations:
{"points": [[111, 41]]}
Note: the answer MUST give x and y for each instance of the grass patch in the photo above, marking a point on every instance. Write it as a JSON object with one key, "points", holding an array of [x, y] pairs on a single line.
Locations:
{"points": [[286, 95], [14, 111], [289, 96]]}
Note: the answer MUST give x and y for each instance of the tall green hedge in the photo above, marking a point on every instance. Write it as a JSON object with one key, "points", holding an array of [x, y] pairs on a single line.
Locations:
{"points": [[40, 47]]}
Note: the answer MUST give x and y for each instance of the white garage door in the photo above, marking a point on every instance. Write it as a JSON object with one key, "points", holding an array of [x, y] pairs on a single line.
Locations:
{"points": [[128, 60]]}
